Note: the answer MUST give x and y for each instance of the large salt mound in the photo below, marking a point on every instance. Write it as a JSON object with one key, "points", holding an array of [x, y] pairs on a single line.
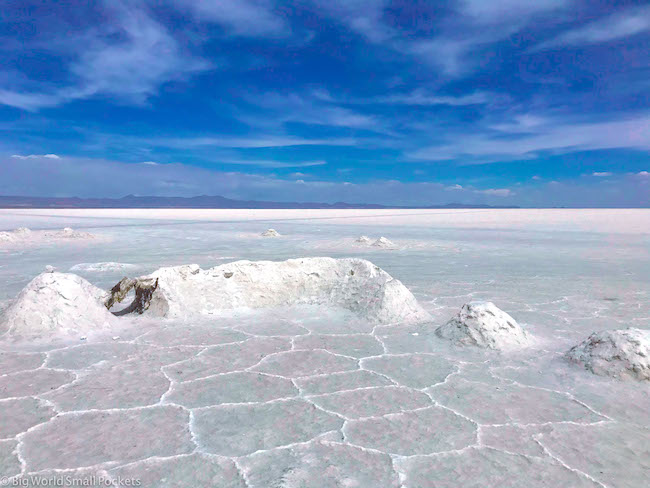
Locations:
{"points": [[482, 324], [270, 233], [56, 303], [353, 284], [618, 353]]}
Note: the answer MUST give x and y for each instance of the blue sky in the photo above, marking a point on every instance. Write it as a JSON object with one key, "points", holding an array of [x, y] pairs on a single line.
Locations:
{"points": [[543, 103]]}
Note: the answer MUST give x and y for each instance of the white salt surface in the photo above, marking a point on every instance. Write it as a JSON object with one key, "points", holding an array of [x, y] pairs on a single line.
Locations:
{"points": [[310, 395]]}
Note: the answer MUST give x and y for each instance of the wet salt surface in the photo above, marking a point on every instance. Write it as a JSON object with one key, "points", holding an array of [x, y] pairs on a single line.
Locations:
{"points": [[310, 397]]}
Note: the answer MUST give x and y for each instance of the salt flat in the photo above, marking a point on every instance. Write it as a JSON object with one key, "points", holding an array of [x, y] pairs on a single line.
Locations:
{"points": [[310, 396]]}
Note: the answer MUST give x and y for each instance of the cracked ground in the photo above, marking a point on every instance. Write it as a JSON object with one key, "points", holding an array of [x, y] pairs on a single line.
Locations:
{"points": [[310, 397]]}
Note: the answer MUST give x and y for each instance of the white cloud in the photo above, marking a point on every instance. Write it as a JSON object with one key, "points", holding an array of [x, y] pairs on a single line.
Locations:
{"points": [[129, 58], [149, 163], [274, 164], [643, 173], [249, 142], [497, 192], [245, 18], [36, 156], [307, 110], [101, 178], [479, 24], [558, 137], [496, 11], [421, 97], [454, 187], [619, 25], [601, 173], [365, 17]]}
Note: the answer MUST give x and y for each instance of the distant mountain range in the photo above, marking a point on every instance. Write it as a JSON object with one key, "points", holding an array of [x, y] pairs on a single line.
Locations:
{"points": [[203, 201]]}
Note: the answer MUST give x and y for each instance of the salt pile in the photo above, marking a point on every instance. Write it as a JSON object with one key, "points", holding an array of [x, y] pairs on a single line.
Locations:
{"points": [[383, 242], [56, 302], [356, 285], [618, 353], [15, 235], [25, 235], [270, 233], [69, 233], [482, 324]]}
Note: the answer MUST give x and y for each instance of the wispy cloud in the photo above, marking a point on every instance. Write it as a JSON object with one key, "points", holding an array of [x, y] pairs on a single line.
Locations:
{"points": [[423, 98], [101, 178], [36, 156], [129, 59], [245, 18], [364, 17], [497, 12], [601, 174], [249, 142], [559, 137], [267, 163], [313, 109], [497, 192], [619, 25]]}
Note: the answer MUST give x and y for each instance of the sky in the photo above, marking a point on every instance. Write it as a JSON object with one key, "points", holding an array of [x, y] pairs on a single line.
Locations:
{"points": [[501, 102]]}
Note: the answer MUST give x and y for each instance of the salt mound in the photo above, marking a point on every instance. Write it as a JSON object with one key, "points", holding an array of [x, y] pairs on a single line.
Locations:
{"points": [[353, 284], [364, 240], [270, 233], [56, 303], [22, 231], [15, 235], [102, 267], [23, 235], [618, 353], [383, 242], [69, 233], [482, 324]]}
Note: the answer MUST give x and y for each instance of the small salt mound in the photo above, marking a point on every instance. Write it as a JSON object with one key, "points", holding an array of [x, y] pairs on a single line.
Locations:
{"points": [[102, 267], [352, 284], [383, 242], [482, 324], [15, 235], [618, 353], [69, 233], [22, 231], [364, 240], [56, 303], [270, 233]]}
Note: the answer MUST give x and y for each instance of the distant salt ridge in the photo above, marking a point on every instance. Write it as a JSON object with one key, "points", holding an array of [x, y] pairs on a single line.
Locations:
{"points": [[270, 233], [57, 303], [102, 267], [353, 284], [620, 354], [23, 235], [483, 324]]}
